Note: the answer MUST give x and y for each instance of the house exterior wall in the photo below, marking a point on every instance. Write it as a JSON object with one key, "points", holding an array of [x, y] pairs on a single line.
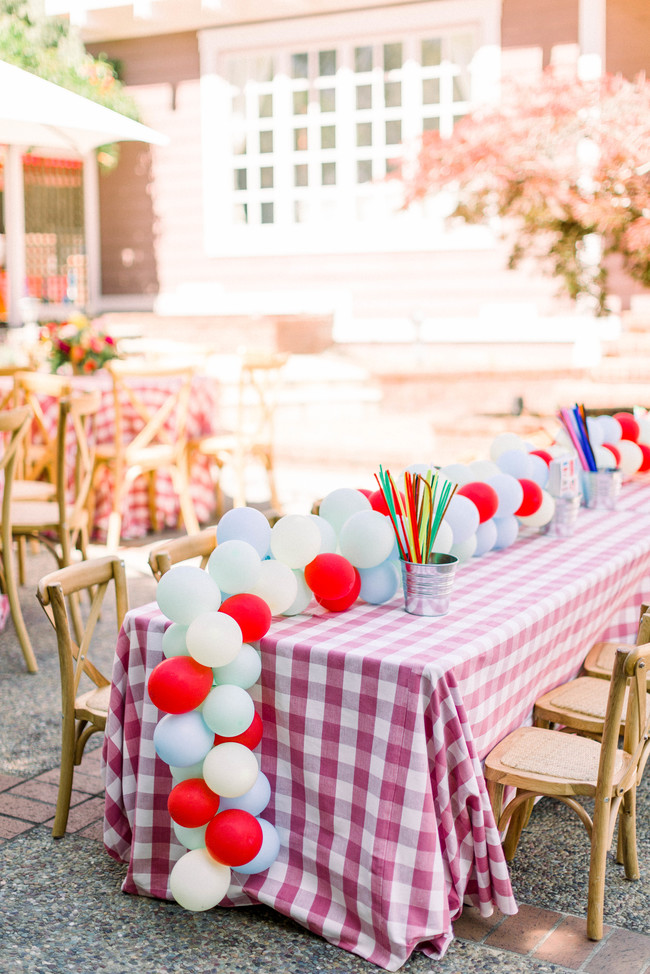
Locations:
{"points": [[628, 34], [153, 224]]}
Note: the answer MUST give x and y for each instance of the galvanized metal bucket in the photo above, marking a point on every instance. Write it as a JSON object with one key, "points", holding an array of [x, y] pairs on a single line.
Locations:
{"points": [[427, 587]]}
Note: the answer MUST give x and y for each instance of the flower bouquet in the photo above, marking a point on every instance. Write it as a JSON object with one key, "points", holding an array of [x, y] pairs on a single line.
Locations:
{"points": [[77, 343]]}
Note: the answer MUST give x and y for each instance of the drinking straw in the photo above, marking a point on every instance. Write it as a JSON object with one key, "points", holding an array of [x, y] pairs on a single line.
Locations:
{"points": [[581, 428], [416, 516], [565, 418], [583, 415]]}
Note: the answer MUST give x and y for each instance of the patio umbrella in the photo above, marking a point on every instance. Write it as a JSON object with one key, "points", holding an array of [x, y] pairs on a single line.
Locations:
{"points": [[38, 114]]}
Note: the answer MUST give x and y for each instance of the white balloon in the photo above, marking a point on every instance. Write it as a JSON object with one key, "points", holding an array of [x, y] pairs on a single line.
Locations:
{"points": [[509, 491], [605, 459], [327, 533], [517, 463], [366, 539], [457, 473], [596, 431], [482, 469], [612, 428], [304, 594], [277, 585], [230, 769], [214, 638], [295, 540], [631, 456], [543, 514], [506, 441], [644, 430], [507, 531], [198, 882], [444, 539]]}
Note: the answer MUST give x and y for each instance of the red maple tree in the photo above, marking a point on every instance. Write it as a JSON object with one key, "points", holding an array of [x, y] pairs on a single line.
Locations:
{"points": [[555, 161]]}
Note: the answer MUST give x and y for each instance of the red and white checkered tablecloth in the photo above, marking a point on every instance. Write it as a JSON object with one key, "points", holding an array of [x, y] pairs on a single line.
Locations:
{"points": [[203, 420], [375, 725]]}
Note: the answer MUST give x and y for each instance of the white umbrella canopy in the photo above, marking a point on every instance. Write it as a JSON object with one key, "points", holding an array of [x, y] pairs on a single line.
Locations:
{"points": [[38, 114]]}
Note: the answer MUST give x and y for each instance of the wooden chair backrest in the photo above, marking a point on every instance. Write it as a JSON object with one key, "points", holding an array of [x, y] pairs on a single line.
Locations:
{"points": [[259, 383], [75, 451], [630, 669], [34, 389], [95, 574], [164, 424], [14, 427], [168, 553]]}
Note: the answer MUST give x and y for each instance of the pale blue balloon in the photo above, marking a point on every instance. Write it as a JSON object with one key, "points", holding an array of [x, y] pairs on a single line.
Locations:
{"points": [[327, 533], [515, 462], [173, 641], [507, 531], [267, 854], [182, 739], [379, 584], [462, 517], [190, 838], [228, 710], [254, 800], [538, 470], [243, 671], [245, 524], [486, 536], [185, 591], [509, 491]]}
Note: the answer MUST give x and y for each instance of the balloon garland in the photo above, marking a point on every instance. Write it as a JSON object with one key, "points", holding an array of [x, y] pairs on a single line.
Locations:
{"points": [[349, 551]]}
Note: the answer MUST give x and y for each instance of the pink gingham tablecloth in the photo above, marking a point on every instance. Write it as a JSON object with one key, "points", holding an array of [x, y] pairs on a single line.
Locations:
{"points": [[375, 725]]}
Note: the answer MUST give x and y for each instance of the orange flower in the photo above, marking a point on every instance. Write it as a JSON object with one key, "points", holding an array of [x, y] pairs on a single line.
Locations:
{"points": [[89, 365], [77, 353]]}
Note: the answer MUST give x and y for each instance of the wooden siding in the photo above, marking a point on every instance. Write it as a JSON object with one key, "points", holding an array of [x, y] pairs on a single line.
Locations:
{"points": [[628, 37], [540, 26]]}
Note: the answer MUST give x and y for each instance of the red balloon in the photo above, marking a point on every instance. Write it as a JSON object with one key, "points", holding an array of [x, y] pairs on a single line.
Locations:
{"points": [[533, 498], [179, 684], [192, 804], [340, 605], [330, 576], [378, 502], [615, 451], [364, 490], [249, 738], [233, 837], [645, 463], [251, 612], [544, 454], [484, 498], [629, 426]]}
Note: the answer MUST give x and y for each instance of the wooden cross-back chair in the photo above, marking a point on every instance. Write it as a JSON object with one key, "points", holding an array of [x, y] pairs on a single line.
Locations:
{"points": [[84, 710], [253, 438], [537, 761], [63, 524], [38, 464], [168, 553], [156, 442], [14, 426], [600, 658]]}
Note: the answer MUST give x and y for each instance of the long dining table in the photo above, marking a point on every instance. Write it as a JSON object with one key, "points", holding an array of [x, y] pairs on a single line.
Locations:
{"points": [[375, 726], [202, 421]]}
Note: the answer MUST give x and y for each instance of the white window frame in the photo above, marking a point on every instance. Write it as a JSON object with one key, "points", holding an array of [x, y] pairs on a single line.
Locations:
{"points": [[415, 229]]}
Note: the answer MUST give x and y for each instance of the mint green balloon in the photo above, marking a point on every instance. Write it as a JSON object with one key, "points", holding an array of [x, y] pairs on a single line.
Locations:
{"points": [[243, 671]]}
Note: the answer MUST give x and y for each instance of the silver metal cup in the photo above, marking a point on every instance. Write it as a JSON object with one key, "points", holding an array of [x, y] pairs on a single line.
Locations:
{"points": [[602, 488], [564, 518], [427, 587]]}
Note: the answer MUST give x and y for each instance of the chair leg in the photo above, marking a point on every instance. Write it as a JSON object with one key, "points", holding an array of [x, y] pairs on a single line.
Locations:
{"points": [[627, 835], [65, 783], [14, 606], [597, 867], [518, 822], [182, 488]]}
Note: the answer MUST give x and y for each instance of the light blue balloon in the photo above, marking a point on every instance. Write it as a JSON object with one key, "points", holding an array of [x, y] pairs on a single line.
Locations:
{"points": [[515, 462], [190, 838], [185, 591], [462, 517], [267, 854], [182, 739], [509, 491], [507, 531], [379, 584], [254, 800], [228, 710], [173, 641], [243, 671], [327, 533], [538, 470], [245, 524], [486, 536]]}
